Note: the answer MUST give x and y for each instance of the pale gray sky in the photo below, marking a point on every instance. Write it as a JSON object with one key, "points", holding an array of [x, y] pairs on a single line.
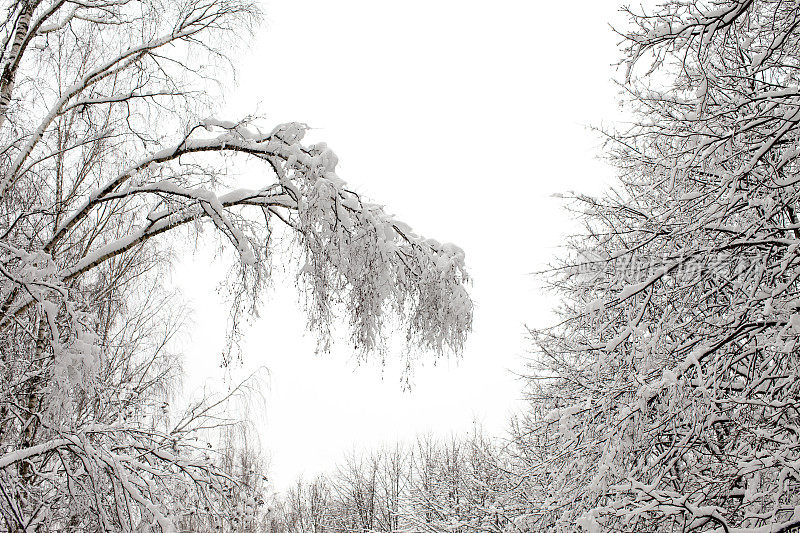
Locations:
{"points": [[463, 117]]}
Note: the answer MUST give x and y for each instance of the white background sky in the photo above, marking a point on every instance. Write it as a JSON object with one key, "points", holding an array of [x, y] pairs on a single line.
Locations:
{"points": [[464, 118]]}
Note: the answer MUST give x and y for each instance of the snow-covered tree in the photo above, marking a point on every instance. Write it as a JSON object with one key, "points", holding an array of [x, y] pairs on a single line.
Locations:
{"points": [[461, 485], [667, 397], [108, 158], [243, 506]]}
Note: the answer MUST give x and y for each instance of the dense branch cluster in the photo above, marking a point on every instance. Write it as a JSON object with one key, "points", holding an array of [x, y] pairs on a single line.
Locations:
{"points": [[672, 398]]}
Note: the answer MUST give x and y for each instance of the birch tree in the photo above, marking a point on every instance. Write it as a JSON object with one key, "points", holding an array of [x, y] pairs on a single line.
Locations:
{"points": [[667, 398], [110, 152]]}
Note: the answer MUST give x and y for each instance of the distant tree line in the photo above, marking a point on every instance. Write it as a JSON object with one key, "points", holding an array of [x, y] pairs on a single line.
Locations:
{"points": [[461, 484]]}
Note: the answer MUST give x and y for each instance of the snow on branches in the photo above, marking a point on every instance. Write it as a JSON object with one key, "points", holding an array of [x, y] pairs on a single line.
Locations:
{"points": [[670, 388]]}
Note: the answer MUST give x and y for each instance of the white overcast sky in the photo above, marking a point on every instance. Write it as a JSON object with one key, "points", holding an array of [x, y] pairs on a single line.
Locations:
{"points": [[463, 118]]}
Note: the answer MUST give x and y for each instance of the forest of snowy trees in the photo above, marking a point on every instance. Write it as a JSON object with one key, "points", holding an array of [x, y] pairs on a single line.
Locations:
{"points": [[665, 399]]}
